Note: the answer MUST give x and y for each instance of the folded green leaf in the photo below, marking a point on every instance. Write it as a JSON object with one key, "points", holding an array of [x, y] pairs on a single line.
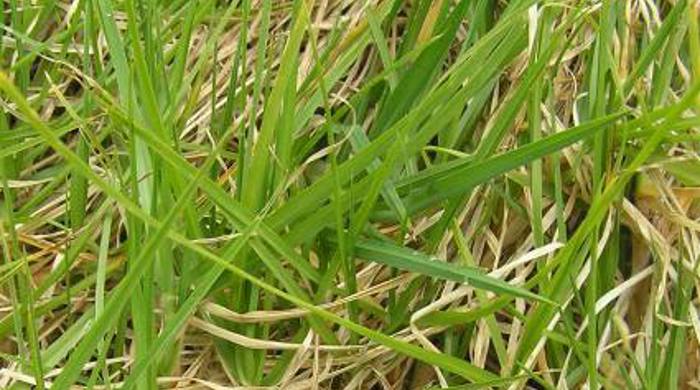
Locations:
{"points": [[416, 261]]}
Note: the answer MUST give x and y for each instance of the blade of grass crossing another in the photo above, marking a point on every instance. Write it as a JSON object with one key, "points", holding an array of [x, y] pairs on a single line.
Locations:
{"points": [[83, 352], [541, 315]]}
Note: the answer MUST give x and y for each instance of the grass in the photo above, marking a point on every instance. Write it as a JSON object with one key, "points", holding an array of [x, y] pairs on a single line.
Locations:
{"points": [[349, 194]]}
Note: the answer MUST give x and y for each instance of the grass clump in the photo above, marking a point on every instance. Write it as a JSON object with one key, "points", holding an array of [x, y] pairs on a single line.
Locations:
{"points": [[349, 194]]}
